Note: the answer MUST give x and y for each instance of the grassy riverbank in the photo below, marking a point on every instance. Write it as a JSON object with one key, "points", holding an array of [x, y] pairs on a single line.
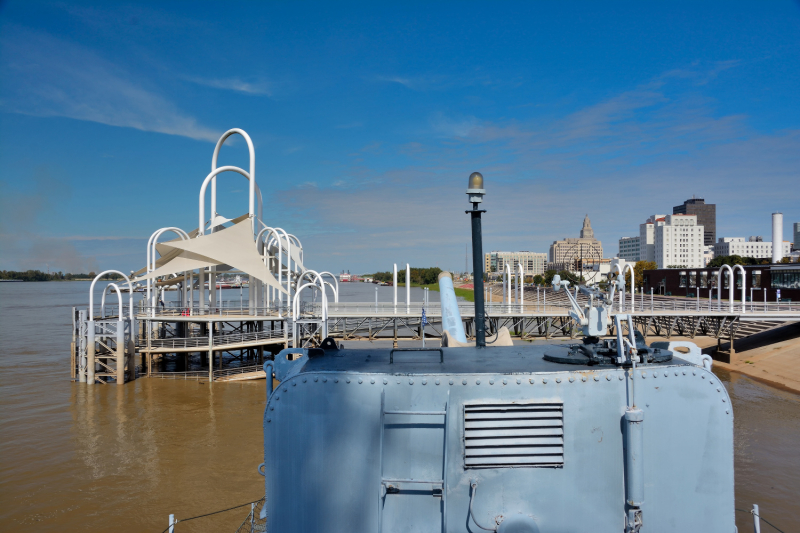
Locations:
{"points": [[467, 294]]}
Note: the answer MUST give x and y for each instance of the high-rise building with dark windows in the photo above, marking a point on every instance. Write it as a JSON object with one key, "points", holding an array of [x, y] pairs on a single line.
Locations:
{"points": [[706, 217]]}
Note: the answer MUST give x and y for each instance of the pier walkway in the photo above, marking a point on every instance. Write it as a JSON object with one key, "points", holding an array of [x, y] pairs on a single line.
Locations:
{"points": [[228, 338]]}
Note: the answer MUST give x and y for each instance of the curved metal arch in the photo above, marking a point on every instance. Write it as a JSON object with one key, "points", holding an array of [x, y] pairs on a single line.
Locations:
{"points": [[313, 273], [202, 214], [91, 293], [335, 294], [252, 173], [507, 288], [621, 271], [335, 281], [103, 299], [296, 306], [277, 232], [296, 309], [296, 300], [744, 284], [153, 240], [730, 286], [151, 253]]}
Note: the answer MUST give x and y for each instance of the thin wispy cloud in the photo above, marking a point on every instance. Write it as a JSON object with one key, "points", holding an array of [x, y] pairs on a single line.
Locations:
{"points": [[101, 238], [447, 126], [257, 88], [53, 77], [647, 149], [442, 82], [409, 83], [349, 125]]}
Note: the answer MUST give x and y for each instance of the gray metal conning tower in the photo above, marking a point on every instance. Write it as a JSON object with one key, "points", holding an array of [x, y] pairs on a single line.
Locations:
{"points": [[467, 439]]}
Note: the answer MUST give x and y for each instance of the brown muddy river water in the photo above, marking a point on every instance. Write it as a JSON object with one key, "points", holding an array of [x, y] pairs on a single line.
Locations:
{"points": [[102, 458]]}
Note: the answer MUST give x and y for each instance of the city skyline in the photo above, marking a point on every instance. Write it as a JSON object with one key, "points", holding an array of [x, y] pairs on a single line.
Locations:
{"points": [[367, 121]]}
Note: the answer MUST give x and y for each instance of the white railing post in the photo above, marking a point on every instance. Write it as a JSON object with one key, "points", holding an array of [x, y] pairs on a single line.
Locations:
{"points": [[408, 288], [756, 519]]}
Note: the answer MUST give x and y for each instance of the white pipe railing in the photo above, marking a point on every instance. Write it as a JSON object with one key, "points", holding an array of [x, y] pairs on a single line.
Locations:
{"points": [[296, 311], [151, 254], [720, 278], [335, 285], [91, 292], [103, 299]]}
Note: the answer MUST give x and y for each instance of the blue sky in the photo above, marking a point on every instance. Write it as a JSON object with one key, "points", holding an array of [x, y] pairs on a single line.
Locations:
{"points": [[367, 119]]}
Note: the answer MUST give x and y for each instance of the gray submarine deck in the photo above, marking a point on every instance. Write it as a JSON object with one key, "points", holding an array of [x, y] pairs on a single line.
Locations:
{"points": [[467, 360]]}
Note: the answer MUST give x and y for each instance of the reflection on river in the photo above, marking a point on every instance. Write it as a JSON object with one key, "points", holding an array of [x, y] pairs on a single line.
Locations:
{"points": [[78, 458]]}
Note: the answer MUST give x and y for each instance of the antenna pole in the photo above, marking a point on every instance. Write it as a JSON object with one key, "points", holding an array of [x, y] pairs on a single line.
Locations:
{"points": [[477, 273]]}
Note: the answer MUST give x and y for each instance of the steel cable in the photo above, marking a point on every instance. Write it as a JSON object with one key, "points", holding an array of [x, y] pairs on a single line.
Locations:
{"points": [[209, 514], [776, 528]]}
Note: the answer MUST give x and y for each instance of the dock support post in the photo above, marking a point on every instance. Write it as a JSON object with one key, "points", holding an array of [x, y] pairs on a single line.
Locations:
{"points": [[90, 351], [149, 353], [120, 368], [82, 343], [73, 346], [211, 354], [261, 346], [131, 345], [72, 359]]}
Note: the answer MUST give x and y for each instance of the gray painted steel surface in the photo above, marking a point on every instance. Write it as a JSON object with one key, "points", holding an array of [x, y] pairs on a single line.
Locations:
{"points": [[355, 443]]}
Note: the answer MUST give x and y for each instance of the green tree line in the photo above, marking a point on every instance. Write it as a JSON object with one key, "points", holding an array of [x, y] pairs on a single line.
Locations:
{"points": [[733, 260], [38, 275], [419, 276], [548, 276]]}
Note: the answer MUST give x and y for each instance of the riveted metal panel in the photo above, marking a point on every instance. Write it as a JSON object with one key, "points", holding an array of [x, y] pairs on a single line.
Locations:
{"points": [[322, 436]]}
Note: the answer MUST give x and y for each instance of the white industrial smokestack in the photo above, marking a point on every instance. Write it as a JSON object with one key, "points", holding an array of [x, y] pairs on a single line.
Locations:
{"points": [[777, 237]]}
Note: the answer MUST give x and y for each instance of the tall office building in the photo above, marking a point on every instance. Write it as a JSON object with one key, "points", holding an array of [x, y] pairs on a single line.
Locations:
{"points": [[532, 262], [706, 217], [566, 253], [751, 247], [679, 242], [796, 231], [647, 237], [629, 249]]}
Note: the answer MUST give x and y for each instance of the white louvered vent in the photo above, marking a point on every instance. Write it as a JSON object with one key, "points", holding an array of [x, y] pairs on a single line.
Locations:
{"points": [[513, 435]]}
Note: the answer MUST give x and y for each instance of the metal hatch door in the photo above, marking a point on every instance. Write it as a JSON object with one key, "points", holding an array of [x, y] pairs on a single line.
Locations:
{"points": [[413, 462]]}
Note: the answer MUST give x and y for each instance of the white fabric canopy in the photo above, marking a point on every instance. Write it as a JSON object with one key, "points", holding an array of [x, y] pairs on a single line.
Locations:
{"points": [[232, 246], [296, 258], [168, 254], [182, 261]]}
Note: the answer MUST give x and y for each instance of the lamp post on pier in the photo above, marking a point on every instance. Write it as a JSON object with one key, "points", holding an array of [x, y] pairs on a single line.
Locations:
{"points": [[475, 191]]}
